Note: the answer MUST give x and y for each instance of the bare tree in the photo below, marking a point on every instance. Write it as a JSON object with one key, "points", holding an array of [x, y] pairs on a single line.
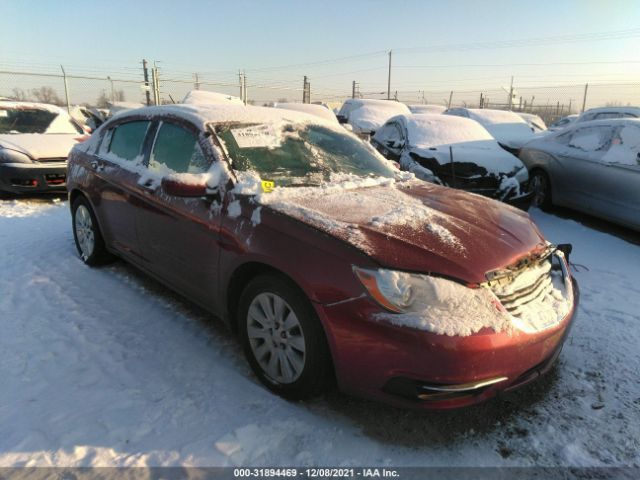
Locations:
{"points": [[19, 95], [46, 95]]}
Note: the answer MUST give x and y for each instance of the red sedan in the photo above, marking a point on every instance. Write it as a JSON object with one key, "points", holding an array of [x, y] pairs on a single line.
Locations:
{"points": [[327, 261]]}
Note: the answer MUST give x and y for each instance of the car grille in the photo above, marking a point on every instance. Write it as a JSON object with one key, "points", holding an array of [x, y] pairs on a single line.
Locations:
{"points": [[527, 287]]}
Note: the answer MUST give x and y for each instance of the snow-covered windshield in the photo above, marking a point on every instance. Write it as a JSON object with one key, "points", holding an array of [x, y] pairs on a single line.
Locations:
{"points": [[33, 120], [302, 154]]}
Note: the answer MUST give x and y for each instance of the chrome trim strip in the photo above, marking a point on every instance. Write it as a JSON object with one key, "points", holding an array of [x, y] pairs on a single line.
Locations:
{"points": [[465, 386]]}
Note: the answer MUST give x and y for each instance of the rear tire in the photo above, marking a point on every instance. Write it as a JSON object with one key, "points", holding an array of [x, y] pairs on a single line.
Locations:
{"points": [[540, 185], [283, 339], [87, 235]]}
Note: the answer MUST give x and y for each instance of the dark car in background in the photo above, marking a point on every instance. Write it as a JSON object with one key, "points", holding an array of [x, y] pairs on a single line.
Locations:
{"points": [[456, 152], [35, 140], [327, 261]]}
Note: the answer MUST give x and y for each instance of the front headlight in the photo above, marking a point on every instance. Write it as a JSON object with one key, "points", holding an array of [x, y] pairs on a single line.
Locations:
{"points": [[13, 156], [402, 292]]}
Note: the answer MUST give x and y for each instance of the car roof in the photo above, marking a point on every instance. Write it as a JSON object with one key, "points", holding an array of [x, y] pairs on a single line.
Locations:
{"points": [[604, 121], [634, 110], [202, 114], [40, 106]]}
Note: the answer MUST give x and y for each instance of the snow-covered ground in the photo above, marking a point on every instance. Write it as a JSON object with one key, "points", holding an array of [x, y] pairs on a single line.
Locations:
{"points": [[103, 367]]}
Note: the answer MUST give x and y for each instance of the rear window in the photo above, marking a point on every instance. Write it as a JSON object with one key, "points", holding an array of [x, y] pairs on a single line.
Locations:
{"points": [[177, 149], [25, 120], [127, 139]]}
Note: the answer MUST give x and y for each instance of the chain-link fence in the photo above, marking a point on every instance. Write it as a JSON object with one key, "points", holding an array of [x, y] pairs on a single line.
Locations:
{"points": [[550, 102]]}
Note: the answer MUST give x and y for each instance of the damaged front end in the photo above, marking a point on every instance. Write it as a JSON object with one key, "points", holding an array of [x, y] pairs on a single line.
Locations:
{"points": [[510, 187]]}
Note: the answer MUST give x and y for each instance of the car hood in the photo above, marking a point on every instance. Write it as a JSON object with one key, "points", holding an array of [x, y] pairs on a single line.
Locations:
{"points": [[488, 155], [40, 145], [512, 135], [418, 227]]}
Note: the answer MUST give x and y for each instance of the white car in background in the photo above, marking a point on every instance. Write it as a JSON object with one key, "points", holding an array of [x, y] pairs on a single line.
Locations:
{"points": [[35, 140], [427, 109], [367, 115], [204, 97], [310, 108], [535, 122], [456, 152], [602, 113], [508, 128]]}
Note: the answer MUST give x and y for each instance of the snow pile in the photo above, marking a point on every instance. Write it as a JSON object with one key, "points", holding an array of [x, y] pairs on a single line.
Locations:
{"points": [[30, 208], [310, 108], [589, 139], [449, 308]]}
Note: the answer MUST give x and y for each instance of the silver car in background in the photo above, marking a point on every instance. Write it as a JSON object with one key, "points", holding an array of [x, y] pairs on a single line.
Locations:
{"points": [[593, 167]]}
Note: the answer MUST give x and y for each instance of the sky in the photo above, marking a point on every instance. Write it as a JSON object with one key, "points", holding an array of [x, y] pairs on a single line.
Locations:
{"points": [[438, 46]]}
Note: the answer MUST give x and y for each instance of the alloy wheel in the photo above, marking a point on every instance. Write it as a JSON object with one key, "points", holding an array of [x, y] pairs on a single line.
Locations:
{"points": [[84, 231]]}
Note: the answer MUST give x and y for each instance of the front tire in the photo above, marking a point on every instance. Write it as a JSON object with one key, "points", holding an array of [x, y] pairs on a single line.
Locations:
{"points": [[87, 235], [283, 339], [540, 185]]}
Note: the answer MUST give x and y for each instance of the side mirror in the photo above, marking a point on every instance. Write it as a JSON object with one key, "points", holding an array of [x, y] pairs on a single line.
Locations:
{"points": [[394, 144], [341, 118], [186, 185]]}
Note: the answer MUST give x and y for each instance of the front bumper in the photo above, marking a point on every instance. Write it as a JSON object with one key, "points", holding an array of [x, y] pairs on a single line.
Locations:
{"points": [[33, 177], [419, 369]]}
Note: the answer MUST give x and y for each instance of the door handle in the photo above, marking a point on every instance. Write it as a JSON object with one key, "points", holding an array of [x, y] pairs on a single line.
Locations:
{"points": [[97, 166], [150, 185]]}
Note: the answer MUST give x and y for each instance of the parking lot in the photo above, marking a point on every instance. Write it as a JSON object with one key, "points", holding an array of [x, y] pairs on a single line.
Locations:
{"points": [[104, 366]]}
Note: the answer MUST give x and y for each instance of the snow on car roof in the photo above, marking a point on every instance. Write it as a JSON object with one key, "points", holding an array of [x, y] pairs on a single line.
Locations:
{"points": [[427, 108], [372, 114], [211, 98], [489, 116], [433, 129], [41, 106], [312, 109], [201, 114]]}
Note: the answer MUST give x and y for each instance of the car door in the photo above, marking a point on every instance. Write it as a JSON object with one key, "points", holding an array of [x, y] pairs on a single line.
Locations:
{"points": [[117, 165], [179, 234], [580, 166], [618, 187], [389, 140]]}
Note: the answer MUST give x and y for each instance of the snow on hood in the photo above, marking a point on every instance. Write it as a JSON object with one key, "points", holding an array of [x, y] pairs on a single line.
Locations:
{"points": [[484, 153], [40, 145], [507, 128], [413, 225]]}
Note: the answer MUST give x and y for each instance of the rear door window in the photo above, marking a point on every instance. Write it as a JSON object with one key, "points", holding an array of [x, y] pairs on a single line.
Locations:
{"points": [[592, 139], [176, 149], [126, 141]]}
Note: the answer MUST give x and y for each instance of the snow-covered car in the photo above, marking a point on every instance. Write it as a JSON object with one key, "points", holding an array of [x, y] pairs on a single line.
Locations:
{"points": [[35, 140], [434, 109], [206, 97], [367, 115], [563, 122], [508, 128], [602, 113], [454, 151], [535, 122], [310, 108], [327, 261], [593, 167]]}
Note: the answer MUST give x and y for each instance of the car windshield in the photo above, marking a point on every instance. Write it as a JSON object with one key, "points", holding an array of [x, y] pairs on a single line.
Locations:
{"points": [[25, 120], [299, 154]]}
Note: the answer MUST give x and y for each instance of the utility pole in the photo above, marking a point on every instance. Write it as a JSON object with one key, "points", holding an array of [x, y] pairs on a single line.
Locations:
{"points": [[353, 89], [156, 84], [241, 85], [389, 79], [113, 94], [66, 89], [145, 71], [584, 99], [244, 87], [306, 90], [511, 94], [196, 84], [450, 98]]}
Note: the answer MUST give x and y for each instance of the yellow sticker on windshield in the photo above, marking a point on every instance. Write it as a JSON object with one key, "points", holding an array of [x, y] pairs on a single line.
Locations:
{"points": [[268, 186]]}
